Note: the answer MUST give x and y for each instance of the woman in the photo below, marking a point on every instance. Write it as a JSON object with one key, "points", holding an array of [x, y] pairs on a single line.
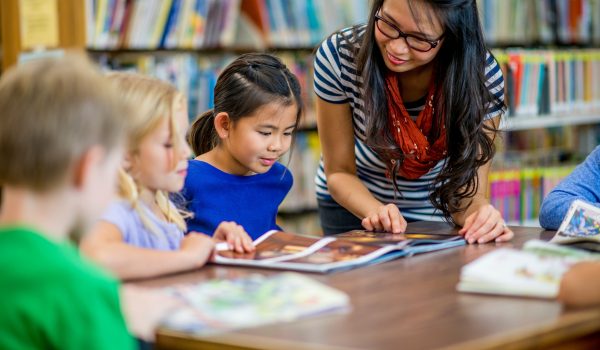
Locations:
{"points": [[407, 113]]}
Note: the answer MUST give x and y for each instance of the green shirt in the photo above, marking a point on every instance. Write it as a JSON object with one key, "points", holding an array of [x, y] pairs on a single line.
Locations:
{"points": [[51, 299]]}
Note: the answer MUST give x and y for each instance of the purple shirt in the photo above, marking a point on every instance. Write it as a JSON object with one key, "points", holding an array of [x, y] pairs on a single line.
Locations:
{"points": [[128, 221]]}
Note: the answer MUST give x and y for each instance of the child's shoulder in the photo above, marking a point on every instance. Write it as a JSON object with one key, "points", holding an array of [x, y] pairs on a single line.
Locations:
{"points": [[39, 259]]}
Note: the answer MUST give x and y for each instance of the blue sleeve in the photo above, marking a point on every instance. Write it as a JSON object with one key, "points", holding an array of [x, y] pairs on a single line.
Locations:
{"points": [[583, 183]]}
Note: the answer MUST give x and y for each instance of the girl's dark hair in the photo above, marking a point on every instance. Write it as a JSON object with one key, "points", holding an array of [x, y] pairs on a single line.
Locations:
{"points": [[251, 81], [464, 99]]}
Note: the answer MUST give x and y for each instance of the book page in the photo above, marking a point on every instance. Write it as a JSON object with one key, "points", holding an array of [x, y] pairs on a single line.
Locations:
{"points": [[252, 300], [582, 223], [514, 272], [276, 246], [338, 251], [399, 239]]}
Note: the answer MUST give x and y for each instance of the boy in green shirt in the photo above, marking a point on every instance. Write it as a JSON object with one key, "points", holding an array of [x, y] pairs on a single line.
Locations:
{"points": [[61, 140]]}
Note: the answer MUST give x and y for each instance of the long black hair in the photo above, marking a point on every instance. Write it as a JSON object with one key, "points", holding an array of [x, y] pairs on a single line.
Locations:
{"points": [[249, 82], [463, 102]]}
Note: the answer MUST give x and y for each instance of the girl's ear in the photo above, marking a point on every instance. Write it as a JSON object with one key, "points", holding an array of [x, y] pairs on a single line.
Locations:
{"points": [[222, 124]]}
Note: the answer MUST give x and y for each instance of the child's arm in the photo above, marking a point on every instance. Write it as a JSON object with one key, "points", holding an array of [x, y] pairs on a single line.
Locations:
{"points": [[105, 246], [580, 184], [580, 286], [235, 235]]}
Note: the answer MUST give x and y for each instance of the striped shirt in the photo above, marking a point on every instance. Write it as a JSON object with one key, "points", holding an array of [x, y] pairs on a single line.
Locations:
{"points": [[336, 81]]}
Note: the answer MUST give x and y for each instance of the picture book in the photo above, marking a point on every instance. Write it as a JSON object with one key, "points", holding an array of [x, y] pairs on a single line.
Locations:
{"points": [[225, 304], [580, 227], [535, 271], [283, 250]]}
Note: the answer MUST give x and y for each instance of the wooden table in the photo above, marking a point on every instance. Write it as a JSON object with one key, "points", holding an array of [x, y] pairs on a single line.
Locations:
{"points": [[409, 303]]}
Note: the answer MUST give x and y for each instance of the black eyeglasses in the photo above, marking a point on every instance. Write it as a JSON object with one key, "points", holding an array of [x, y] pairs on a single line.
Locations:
{"points": [[414, 42]]}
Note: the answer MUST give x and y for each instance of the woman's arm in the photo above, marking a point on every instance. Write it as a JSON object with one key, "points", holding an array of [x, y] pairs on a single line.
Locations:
{"points": [[481, 221], [336, 132], [105, 246]]}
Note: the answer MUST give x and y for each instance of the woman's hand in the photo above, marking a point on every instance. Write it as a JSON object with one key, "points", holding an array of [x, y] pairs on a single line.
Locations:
{"points": [[385, 218], [485, 225], [235, 235]]}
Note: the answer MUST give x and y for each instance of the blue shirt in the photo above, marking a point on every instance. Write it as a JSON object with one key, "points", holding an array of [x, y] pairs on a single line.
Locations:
{"points": [[583, 183], [214, 196], [121, 214], [336, 80]]}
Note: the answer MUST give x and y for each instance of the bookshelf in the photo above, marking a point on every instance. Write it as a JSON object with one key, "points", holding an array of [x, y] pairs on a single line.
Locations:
{"points": [[549, 121], [187, 42], [549, 53]]}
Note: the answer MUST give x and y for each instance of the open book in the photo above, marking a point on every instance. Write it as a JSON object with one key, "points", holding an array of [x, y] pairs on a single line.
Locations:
{"points": [[580, 227], [535, 271], [253, 300], [282, 250]]}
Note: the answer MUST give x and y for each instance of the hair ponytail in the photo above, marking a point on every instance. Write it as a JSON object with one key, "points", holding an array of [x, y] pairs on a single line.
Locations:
{"points": [[203, 135]]}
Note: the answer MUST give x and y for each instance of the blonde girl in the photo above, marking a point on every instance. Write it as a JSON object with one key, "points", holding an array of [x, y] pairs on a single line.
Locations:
{"points": [[142, 234]]}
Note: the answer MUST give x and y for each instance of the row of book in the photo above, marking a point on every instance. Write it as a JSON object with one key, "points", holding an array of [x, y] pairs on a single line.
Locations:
{"points": [[541, 21], [196, 75], [194, 24], [542, 82], [518, 193]]}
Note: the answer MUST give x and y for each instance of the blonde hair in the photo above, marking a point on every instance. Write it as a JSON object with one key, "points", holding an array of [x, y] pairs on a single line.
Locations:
{"points": [[52, 111], [154, 100]]}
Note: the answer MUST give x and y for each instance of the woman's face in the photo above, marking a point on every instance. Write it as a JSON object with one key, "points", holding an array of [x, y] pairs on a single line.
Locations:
{"points": [[420, 23]]}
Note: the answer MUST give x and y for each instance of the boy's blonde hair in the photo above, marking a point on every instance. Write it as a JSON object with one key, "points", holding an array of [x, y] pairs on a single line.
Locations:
{"points": [[51, 112], [154, 100]]}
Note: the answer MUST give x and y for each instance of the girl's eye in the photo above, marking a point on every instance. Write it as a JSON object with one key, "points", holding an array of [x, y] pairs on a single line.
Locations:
{"points": [[264, 133], [168, 145], [290, 133]]}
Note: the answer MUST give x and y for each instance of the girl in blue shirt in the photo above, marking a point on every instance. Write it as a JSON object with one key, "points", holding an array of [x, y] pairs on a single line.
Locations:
{"points": [[236, 176]]}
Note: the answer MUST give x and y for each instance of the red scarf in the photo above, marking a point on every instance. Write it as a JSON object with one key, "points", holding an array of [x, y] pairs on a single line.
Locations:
{"points": [[413, 137]]}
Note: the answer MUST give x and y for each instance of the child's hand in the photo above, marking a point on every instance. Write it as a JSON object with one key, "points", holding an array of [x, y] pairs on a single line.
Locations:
{"points": [[235, 235], [144, 309], [387, 218], [198, 247]]}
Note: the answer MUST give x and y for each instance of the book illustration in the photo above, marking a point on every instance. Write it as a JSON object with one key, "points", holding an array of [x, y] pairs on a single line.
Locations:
{"points": [[582, 220], [275, 245], [580, 227], [225, 304], [374, 237], [337, 251], [282, 250]]}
